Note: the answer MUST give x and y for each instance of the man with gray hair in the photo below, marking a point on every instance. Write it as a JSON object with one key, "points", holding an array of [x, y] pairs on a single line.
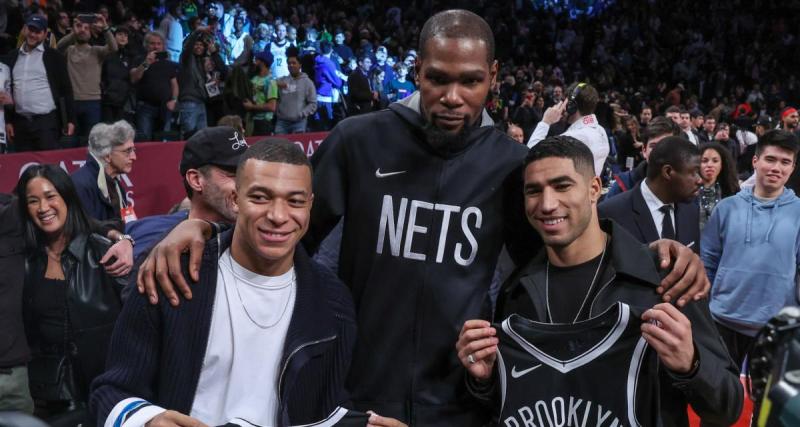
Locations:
{"points": [[111, 154]]}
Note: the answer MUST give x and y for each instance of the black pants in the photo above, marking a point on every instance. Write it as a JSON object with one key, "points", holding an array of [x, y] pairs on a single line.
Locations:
{"points": [[738, 344], [37, 132]]}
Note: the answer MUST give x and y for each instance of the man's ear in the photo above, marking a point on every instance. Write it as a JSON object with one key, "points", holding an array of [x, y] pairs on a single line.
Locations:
{"points": [[194, 179], [493, 72], [595, 189], [234, 200], [666, 172]]}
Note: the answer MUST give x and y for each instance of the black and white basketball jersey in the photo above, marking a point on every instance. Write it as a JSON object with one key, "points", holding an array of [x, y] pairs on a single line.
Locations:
{"points": [[598, 372], [341, 417]]}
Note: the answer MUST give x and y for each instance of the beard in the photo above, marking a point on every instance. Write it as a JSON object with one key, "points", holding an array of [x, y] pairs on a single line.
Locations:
{"points": [[442, 140]]}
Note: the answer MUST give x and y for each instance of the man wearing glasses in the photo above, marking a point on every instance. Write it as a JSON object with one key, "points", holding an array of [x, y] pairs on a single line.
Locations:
{"points": [[111, 154]]}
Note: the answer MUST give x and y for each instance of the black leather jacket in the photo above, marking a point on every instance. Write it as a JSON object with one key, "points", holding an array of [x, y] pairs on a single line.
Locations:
{"points": [[93, 304]]}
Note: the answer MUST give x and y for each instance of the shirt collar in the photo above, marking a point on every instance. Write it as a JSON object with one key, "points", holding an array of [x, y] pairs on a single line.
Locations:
{"points": [[39, 47], [652, 201]]}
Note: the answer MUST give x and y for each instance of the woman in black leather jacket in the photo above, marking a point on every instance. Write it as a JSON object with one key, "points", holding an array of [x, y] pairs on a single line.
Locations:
{"points": [[70, 302]]}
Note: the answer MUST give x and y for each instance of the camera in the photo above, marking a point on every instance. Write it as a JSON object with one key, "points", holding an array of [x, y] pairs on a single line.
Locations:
{"points": [[774, 366], [161, 56]]}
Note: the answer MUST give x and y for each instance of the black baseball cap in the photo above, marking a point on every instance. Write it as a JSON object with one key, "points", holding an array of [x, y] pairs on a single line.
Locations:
{"points": [[764, 120], [219, 146]]}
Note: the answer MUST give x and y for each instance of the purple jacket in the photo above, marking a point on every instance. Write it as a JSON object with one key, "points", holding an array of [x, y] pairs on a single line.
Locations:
{"points": [[325, 76]]}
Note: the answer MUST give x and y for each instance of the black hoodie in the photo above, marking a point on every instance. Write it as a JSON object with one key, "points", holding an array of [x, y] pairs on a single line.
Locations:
{"points": [[422, 232]]}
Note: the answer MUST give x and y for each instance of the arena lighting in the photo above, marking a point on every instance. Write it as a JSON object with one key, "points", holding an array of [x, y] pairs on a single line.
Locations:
{"points": [[573, 8]]}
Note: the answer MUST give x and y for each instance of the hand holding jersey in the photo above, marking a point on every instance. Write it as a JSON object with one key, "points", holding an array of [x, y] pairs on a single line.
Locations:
{"points": [[477, 348], [669, 332]]}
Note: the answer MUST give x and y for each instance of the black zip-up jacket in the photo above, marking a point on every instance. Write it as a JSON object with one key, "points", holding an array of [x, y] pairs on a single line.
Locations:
{"points": [[157, 351], [714, 390], [93, 304], [423, 229]]}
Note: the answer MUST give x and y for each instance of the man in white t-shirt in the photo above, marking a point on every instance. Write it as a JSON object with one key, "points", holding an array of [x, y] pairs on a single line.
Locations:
{"points": [[268, 338], [578, 110]]}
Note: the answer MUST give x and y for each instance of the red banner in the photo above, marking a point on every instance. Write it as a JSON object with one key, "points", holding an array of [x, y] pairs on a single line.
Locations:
{"points": [[153, 186]]}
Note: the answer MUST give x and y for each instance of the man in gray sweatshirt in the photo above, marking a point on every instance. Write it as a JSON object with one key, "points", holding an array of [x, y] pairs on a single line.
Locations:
{"points": [[297, 97]]}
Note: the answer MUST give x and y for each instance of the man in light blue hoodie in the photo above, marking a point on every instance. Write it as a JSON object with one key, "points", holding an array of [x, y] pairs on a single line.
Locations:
{"points": [[751, 247]]}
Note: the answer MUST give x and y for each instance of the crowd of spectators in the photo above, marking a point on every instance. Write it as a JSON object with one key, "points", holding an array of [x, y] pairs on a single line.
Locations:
{"points": [[172, 68]]}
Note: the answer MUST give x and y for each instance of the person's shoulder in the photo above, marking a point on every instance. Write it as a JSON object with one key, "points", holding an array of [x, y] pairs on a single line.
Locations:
{"points": [[336, 293]]}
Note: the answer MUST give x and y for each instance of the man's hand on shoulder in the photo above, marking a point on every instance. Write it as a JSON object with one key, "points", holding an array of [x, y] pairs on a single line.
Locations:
{"points": [[687, 281], [173, 419], [669, 332], [162, 267], [376, 420]]}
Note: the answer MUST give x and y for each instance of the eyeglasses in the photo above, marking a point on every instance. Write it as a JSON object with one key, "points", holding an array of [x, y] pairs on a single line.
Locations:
{"points": [[127, 152]]}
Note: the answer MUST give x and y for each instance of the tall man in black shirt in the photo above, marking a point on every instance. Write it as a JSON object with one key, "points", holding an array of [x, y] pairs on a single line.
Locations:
{"points": [[157, 79], [430, 192]]}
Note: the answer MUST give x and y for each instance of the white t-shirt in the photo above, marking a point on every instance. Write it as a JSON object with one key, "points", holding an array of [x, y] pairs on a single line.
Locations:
{"points": [[241, 367], [239, 378]]}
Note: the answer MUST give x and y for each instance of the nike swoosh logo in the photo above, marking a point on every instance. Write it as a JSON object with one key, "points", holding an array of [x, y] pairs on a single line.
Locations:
{"points": [[516, 374], [378, 173]]}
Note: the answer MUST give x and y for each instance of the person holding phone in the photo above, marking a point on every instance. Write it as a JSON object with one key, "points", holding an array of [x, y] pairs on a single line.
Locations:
{"points": [[157, 79], [70, 301], [85, 66]]}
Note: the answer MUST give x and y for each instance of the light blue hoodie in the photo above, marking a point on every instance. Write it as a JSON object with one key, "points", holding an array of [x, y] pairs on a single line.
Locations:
{"points": [[751, 250]]}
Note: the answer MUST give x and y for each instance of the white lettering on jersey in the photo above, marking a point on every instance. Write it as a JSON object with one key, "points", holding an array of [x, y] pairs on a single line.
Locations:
{"points": [[468, 234], [400, 228], [387, 220], [561, 412]]}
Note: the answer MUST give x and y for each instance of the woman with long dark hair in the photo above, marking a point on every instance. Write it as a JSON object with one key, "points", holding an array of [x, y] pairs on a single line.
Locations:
{"points": [[718, 171], [70, 303]]}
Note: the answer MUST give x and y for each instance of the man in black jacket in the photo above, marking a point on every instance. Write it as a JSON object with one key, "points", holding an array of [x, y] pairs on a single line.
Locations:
{"points": [[590, 265], [361, 94], [267, 339], [43, 104]]}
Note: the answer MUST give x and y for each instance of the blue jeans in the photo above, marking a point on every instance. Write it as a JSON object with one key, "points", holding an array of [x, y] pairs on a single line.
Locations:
{"points": [[283, 127], [193, 117], [87, 114], [325, 113], [148, 116]]}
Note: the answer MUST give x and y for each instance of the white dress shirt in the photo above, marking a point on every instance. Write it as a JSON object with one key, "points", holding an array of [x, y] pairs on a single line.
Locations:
{"points": [[654, 204], [32, 94]]}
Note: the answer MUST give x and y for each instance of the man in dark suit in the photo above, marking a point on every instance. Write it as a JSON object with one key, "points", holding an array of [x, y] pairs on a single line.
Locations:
{"points": [[362, 94], [663, 205]]}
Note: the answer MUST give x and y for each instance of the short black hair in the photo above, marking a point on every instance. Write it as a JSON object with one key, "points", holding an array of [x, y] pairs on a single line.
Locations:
{"points": [[564, 147], [674, 151], [325, 47], [271, 149], [77, 222], [778, 138], [660, 126], [673, 109], [292, 52], [457, 24]]}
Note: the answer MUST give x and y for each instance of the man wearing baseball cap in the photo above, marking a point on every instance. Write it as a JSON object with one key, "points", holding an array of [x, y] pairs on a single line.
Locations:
{"points": [[265, 90], [208, 167], [43, 103]]}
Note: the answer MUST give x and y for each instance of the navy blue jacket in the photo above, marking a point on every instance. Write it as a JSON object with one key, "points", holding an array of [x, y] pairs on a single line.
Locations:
{"points": [[157, 351], [94, 203]]}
